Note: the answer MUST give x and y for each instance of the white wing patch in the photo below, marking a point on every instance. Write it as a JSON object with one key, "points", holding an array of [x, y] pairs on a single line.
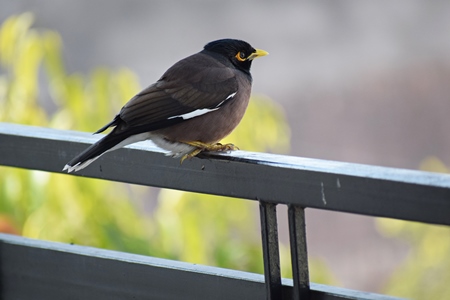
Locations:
{"points": [[203, 111], [196, 113], [229, 97]]}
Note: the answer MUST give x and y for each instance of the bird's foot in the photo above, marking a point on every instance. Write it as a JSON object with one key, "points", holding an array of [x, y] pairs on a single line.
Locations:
{"points": [[200, 147], [212, 147]]}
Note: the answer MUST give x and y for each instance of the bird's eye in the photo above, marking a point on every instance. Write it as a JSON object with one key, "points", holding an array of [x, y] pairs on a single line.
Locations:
{"points": [[241, 56]]}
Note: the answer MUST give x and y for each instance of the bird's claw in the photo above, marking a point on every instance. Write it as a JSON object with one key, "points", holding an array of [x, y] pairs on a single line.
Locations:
{"points": [[200, 147]]}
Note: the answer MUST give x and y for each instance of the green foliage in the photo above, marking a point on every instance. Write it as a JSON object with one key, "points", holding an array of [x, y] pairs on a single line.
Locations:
{"points": [[184, 226], [425, 272], [50, 206]]}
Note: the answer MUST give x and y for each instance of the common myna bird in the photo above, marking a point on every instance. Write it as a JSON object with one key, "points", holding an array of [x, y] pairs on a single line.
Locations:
{"points": [[196, 103]]}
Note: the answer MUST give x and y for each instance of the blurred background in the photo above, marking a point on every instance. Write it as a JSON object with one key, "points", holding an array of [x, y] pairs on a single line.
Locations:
{"points": [[364, 82]]}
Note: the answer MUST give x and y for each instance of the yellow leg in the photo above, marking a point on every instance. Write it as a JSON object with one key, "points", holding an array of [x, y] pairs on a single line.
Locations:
{"points": [[200, 147], [190, 155]]}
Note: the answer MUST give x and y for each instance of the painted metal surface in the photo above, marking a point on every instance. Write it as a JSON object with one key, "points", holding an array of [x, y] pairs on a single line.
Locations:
{"points": [[34, 269], [57, 271], [271, 251], [299, 253], [346, 187]]}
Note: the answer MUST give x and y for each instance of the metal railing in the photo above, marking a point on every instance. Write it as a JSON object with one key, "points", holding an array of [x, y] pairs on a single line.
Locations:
{"points": [[54, 269]]}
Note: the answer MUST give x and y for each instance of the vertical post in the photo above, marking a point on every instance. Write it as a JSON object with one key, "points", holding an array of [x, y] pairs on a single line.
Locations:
{"points": [[271, 252], [299, 255]]}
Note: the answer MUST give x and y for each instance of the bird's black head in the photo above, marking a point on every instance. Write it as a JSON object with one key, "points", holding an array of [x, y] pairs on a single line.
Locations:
{"points": [[238, 52]]}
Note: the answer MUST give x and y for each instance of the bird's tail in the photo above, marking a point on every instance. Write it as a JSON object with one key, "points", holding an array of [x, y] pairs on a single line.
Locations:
{"points": [[108, 143], [119, 137]]}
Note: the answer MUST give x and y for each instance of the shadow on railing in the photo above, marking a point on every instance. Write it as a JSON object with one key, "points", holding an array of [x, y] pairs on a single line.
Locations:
{"points": [[58, 271]]}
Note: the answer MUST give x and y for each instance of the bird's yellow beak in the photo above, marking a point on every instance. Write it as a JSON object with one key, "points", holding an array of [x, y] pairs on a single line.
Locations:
{"points": [[257, 53]]}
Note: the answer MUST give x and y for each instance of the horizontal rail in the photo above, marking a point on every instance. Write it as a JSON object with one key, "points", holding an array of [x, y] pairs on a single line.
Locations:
{"points": [[54, 271], [346, 187]]}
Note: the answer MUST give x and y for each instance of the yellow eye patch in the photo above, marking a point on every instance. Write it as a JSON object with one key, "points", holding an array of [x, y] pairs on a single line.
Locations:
{"points": [[241, 56]]}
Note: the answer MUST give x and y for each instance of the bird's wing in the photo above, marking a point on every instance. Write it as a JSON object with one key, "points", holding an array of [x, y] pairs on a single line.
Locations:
{"points": [[186, 90]]}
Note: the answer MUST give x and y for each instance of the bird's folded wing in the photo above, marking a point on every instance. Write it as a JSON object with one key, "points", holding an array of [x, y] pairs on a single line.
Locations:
{"points": [[206, 90]]}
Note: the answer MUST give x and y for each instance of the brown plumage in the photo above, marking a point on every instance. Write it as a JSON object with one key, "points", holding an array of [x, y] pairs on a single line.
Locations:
{"points": [[197, 102]]}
